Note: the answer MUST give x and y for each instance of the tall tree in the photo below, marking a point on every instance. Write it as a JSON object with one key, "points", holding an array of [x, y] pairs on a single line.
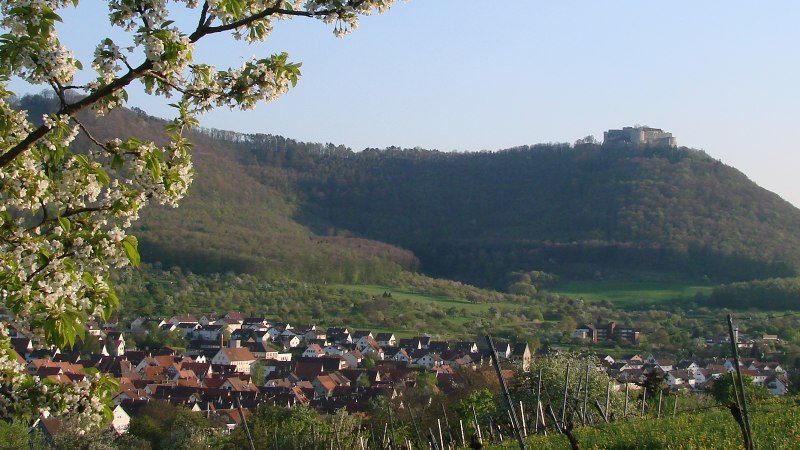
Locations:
{"points": [[63, 212]]}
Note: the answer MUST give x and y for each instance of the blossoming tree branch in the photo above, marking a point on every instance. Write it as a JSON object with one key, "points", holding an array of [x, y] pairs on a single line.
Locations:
{"points": [[64, 212]]}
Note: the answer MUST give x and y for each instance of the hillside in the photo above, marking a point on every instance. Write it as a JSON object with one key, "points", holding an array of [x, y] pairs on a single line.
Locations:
{"points": [[572, 211], [273, 206]]}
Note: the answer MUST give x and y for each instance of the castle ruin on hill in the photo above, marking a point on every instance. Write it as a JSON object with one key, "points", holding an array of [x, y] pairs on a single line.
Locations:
{"points": [[639, 136]]}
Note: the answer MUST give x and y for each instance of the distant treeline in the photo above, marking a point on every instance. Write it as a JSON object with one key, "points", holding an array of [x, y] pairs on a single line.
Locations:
{"points": [[770, 294]]}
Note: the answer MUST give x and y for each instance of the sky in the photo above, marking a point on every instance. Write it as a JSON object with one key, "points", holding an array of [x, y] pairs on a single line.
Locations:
{"points": [[466, 76]]}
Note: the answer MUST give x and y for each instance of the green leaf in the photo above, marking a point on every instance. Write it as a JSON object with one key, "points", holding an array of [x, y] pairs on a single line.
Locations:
{"points": [[117, 161], [131, 247], [102, 177], [66, 225]]}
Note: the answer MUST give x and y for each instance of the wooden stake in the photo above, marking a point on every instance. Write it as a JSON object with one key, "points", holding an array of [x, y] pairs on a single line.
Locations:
{"points": [[675, 406], [625, 410], [644, 401], [745, 415], [539, 412], [660, 394], [566, 390], [522, 417], [441, 437], [585, 415]]}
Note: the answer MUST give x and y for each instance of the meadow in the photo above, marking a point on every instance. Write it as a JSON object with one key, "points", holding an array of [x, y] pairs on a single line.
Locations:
{"points": [[632, 294]]}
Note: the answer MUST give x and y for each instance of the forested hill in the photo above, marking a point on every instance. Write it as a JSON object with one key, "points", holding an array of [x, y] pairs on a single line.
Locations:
{"points": [[568, 210], [269, 205]]}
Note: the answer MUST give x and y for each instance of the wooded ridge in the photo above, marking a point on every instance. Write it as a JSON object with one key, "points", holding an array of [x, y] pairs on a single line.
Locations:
{"points": [[274, 206]]}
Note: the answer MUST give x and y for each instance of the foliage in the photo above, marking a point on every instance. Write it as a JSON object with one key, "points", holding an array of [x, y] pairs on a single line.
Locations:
{"points": [[554, 369], [164, 425], [277, 427], [775, 425], [64, 211], [15, 436], [770, 294], [480, 403], [724, 392]]}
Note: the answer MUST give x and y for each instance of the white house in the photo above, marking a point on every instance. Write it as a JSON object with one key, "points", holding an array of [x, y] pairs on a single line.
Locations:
{"points": [[121, 421], [313, 351], [241, 358]]}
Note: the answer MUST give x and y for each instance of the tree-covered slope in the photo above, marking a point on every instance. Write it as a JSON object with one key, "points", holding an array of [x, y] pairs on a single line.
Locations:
{"points": [[270, 205], [564, 209]]}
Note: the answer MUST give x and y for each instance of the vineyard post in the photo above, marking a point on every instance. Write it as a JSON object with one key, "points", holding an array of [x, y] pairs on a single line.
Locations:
{"points": [[644, 401], [244, 422], [461, 425], [608, 399], [566, 390], [477, 426], [660, 395], [538, 400], [522, 417], [586, 396], [625, 410], [441, 436], [514, 423], [447, 424], [675, 406], [433, 439], [745, 415]]}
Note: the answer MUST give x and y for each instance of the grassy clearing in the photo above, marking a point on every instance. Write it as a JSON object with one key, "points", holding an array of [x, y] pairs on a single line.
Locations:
{"points": [[627, 294], [404, 294]]}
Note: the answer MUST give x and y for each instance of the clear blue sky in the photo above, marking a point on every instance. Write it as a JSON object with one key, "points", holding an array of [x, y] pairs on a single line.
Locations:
{"points": [[468, 75]]}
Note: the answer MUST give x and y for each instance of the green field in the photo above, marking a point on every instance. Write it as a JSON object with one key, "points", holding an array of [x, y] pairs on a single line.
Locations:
{"points": [[626, 294], [404, 294]]}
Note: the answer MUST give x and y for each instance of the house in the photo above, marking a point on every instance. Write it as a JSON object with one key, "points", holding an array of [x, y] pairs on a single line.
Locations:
{"points": [[208, 332], [386, 339], [677, 378], [290, 342], [466, 346], [183, 320], [120, 421], [115, 343], [339, 335], [314, 351], [325, 385], [777, 385], [410, 344], [240, 358], [396, 354], [236, 384], [503, 350], [426, 359], [353, 358], [254, 323], [521, 354]]}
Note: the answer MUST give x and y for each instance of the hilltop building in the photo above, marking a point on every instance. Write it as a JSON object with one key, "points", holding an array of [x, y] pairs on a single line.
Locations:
{"points": [[639, 136]]}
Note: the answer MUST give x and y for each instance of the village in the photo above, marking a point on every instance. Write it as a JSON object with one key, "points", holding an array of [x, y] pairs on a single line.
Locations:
{"points": [[233, 363]]}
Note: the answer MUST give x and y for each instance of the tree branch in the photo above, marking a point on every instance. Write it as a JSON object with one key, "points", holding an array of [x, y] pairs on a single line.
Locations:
{"points": [[70, 110]]}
